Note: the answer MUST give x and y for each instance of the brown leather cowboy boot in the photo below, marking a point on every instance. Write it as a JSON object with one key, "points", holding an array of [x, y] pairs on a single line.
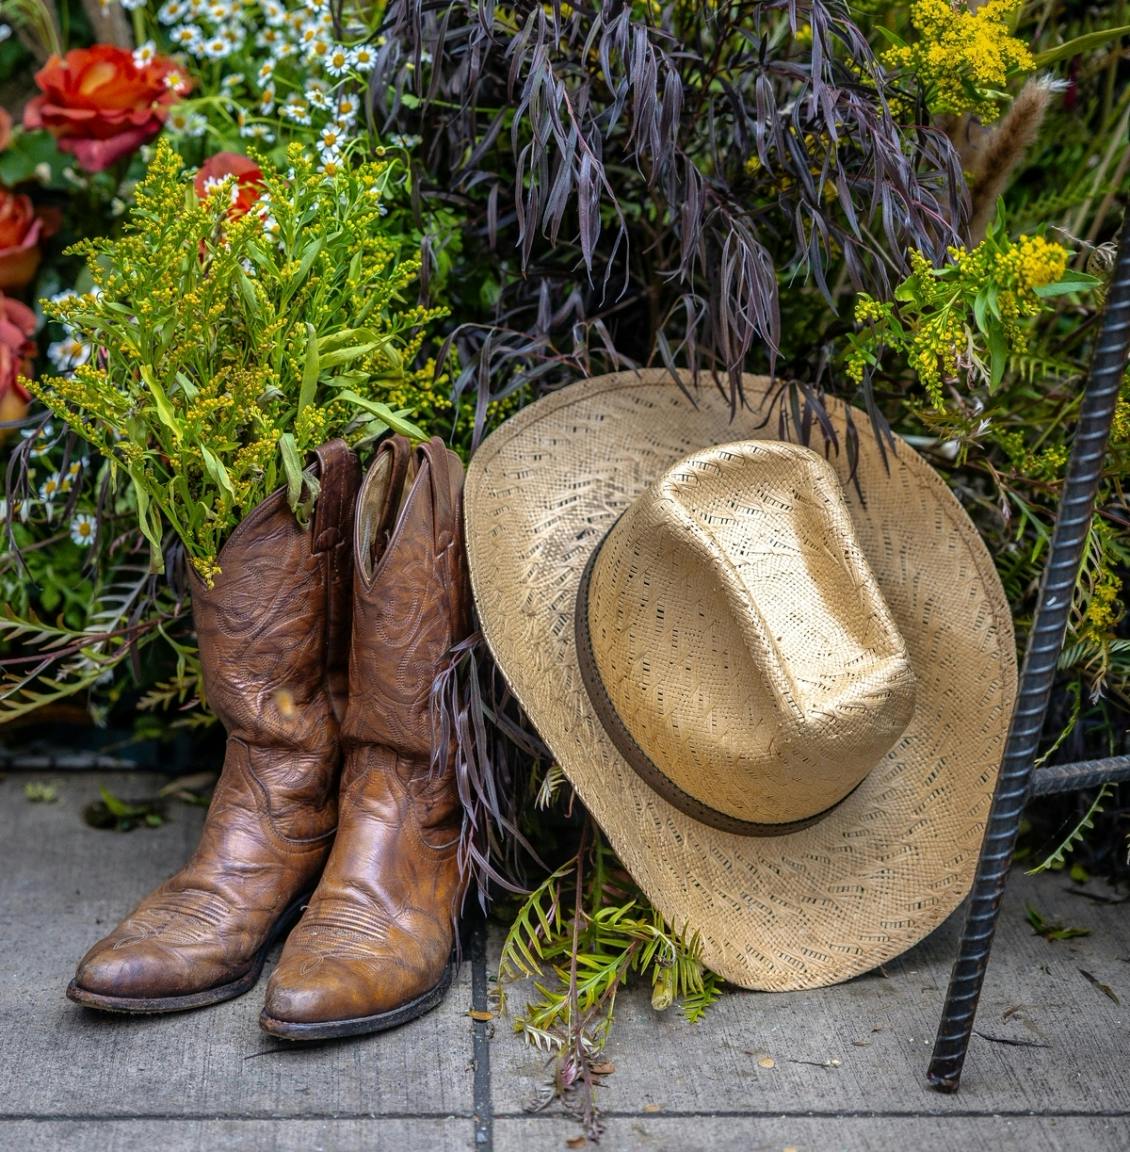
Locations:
{"points": [[374, 948], [274, 636]]}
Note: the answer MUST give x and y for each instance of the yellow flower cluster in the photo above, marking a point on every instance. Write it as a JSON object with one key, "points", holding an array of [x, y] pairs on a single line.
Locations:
{"points": [[1105, 608], [1032, 262], [963, 58]]}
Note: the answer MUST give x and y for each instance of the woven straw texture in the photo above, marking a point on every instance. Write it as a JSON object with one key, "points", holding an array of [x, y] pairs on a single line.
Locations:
{"points": [[742, 638], [897, 855]]}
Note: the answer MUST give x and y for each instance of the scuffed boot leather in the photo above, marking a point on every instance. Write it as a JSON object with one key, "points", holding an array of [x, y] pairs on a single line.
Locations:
{"points": [[274, 642], [374, 947]]}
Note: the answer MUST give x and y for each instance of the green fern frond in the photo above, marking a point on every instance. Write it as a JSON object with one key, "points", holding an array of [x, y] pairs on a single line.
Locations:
{"points": [[1058, 859]]}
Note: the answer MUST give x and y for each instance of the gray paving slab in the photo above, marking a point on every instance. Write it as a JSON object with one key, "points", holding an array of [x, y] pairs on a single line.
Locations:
{"points": [[808, 1134], [880, 1029], [75, 1080], [62, 885], [146, 1135]]}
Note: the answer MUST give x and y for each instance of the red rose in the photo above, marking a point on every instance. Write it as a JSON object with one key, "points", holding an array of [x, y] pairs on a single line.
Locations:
{"points": [[99, 105], [5, 129], [20, 229], [248, 180], [17, 349]]}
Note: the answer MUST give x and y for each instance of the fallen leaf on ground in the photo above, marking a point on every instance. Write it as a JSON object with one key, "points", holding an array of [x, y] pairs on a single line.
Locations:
{"points": [[1105, 989], [653, 1107], [478, 1014], [767, 1062], [604, 1068], [576, 1142]]}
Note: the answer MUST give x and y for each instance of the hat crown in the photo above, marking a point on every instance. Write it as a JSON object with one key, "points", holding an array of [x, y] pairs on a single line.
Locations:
{"points": [[743, 642]]}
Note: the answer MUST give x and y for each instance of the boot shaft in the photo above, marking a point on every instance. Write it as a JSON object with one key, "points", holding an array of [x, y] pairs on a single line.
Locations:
{"points": [[411, 598], [274, 629]]}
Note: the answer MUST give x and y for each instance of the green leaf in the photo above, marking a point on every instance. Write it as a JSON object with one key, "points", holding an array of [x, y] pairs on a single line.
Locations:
{"points": [[395, 420], [218, 472], [998, 355], [1068, 282], [980, 310], [292, 466], [149, 520], [310, 370], [164, 409], [1080, 45]]}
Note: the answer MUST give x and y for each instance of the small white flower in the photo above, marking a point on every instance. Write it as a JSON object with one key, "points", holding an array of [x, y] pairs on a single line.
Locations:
{"points": [[133, 5], [337, 60], [257, 132], [296, 110], [144, 54], [186, 36], [267, 100], [171, 11], [67, 354], [231, 82], [364, 58], [176, 81], [348, 107], [330, 140], [331, 162], [273, 12], [317, 95], [266, 71], [43, 172], [217, 47], [50, 488], [83, 529]]}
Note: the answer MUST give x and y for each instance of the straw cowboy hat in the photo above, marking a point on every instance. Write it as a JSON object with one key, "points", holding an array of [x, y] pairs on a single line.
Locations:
{"points": [[783, 693]]}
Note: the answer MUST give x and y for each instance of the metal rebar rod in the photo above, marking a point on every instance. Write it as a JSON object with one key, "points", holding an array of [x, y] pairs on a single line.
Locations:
{"points": [[1044, 645], [1054, 778]]}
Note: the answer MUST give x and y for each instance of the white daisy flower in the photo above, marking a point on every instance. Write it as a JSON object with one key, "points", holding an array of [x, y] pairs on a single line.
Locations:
{"points": [[330, 140], [50, 488], [266, 71], [348, 107], [297, 113], [337, 60], [67, 354], [217, 47], [317, 95], [364, 58], [273, 12], [257, 132], [231, 82], [132, 5], [144, 54], [187, 36], [83, 529], [267, 100], [171, 11]]}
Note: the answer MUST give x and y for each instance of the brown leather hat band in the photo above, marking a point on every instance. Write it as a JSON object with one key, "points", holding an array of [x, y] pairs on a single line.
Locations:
{"points": [[626, 744]]}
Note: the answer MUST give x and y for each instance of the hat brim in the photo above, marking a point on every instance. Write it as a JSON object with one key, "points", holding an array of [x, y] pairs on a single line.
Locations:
{"points": [[897, 856]]}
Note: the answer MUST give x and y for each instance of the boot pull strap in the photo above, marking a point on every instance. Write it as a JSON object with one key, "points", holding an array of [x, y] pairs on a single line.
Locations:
{"points": [[339, 475], [399, 453], [435, 452]]}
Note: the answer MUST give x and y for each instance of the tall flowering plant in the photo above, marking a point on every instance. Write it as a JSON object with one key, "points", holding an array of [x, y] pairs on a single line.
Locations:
{"points": [[232, 334]]}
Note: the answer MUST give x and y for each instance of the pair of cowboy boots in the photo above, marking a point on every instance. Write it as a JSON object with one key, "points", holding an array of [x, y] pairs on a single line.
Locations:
{"points": [[319, 647]]}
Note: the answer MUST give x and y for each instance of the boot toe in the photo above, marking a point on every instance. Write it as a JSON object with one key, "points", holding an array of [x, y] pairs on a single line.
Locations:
{"points": [[129, 973]]}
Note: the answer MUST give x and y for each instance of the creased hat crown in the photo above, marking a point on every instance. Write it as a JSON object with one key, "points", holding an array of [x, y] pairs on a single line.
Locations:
{"points": [[736, 644]]}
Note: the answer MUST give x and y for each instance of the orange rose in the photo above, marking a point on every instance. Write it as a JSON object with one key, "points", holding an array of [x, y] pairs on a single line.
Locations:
{"points": [[248, 180], [99, 105], [20, 230], [17, 349], [5, 129]]}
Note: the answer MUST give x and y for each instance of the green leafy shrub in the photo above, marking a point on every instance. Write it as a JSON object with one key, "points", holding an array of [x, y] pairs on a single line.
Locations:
{"points": [[230, 345]]}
